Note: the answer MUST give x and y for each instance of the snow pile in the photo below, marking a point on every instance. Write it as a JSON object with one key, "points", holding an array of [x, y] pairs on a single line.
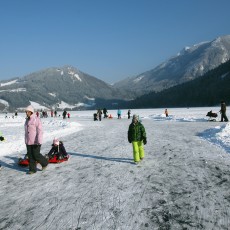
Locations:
{"points": [[189, 118], [224, 135], [64, 105], [219, 135]]}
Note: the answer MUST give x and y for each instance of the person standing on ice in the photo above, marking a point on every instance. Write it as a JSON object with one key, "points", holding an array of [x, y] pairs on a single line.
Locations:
{"points": [[119, 114], [166, 113], [33, 140], [223, 111], [129, 114], [137, 136]]}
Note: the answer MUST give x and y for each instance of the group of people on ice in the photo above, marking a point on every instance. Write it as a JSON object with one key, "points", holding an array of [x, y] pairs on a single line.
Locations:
{"points": [[64, 114], [34, 139], [98, 115]]}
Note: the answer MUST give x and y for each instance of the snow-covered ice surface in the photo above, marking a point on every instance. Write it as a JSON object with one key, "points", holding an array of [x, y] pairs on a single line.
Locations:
{"points": [[183, 182]]}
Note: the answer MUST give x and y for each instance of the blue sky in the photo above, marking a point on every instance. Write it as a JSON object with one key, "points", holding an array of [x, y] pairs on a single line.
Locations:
{"points": [[108, 39]]}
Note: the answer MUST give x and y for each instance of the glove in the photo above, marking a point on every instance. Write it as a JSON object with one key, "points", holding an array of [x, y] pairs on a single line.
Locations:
{"points": [[2, 138], [145, 141]]}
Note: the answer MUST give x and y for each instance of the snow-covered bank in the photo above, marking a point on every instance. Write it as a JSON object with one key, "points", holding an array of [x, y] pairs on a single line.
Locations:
{"points": [[183, 182]]}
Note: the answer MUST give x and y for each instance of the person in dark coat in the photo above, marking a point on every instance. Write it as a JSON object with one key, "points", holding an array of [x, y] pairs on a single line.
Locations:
{"points": [[105, 113], [95, 117], [64, 114], [129, 113], [137, 136], [223, 112], [57, 149], [166, 113]]}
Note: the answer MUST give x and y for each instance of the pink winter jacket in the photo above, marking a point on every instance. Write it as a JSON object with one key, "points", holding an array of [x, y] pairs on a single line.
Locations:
{"points": [[33, 130]]}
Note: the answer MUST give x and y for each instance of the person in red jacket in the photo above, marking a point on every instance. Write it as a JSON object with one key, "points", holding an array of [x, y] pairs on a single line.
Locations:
{"points": [[33, 140]]}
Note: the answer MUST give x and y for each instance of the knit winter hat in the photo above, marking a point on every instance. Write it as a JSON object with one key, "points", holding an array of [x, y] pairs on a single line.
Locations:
{"points": [[30, 108], [56, 141], [135, 117]]}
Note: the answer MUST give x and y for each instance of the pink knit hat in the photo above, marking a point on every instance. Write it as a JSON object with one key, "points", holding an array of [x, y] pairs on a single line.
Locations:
{"points": [[56, 141]]}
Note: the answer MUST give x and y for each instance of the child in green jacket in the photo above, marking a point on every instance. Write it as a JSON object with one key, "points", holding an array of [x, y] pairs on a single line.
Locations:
{"points": [[137, 136]]}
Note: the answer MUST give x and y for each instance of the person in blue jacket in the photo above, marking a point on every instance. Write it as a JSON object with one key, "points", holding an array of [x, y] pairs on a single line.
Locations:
{"points": [[119, 114]]}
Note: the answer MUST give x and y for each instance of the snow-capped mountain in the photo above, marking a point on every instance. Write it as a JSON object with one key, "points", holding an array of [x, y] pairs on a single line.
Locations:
{"points": [[188, 64], [65, 87]]}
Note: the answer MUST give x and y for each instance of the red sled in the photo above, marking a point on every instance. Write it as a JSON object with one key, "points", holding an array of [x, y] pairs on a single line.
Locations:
{"points": [[54, 160]]}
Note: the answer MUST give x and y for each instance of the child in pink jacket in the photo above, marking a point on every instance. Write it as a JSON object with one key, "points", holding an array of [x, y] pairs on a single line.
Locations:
{"points": [[33, 140]]}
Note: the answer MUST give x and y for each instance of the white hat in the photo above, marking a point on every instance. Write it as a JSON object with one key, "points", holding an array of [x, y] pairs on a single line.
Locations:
{"points": [[30, 108], [56, 141]]}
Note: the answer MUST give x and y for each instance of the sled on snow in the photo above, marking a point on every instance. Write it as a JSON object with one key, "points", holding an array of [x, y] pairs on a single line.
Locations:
{"points": [[54, 159], [212, 116]]}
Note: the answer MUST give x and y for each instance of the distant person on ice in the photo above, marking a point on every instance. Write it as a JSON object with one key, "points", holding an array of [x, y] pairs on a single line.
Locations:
{"points": [[64, 114], [57, 149], [99, 113], [223, 111], [119, 114], [129, 113], [166, 113], [105, 113], [137, 136], [33, 140]]}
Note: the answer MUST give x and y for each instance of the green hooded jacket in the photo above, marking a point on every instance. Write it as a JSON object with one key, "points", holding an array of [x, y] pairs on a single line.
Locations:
{"points": [[136, 132]]}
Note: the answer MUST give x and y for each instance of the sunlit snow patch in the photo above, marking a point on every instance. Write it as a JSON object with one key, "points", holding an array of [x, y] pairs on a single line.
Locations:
{"points": [[220, 135]]}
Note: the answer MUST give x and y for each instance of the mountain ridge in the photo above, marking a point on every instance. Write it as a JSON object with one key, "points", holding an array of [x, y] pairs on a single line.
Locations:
{"points": [[188, 64], [207, 90], [56, 86], [52, 86]]}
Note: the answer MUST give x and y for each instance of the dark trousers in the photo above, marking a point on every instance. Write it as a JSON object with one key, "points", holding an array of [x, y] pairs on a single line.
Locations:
{"points": [[223, 116], [34, 155]]}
